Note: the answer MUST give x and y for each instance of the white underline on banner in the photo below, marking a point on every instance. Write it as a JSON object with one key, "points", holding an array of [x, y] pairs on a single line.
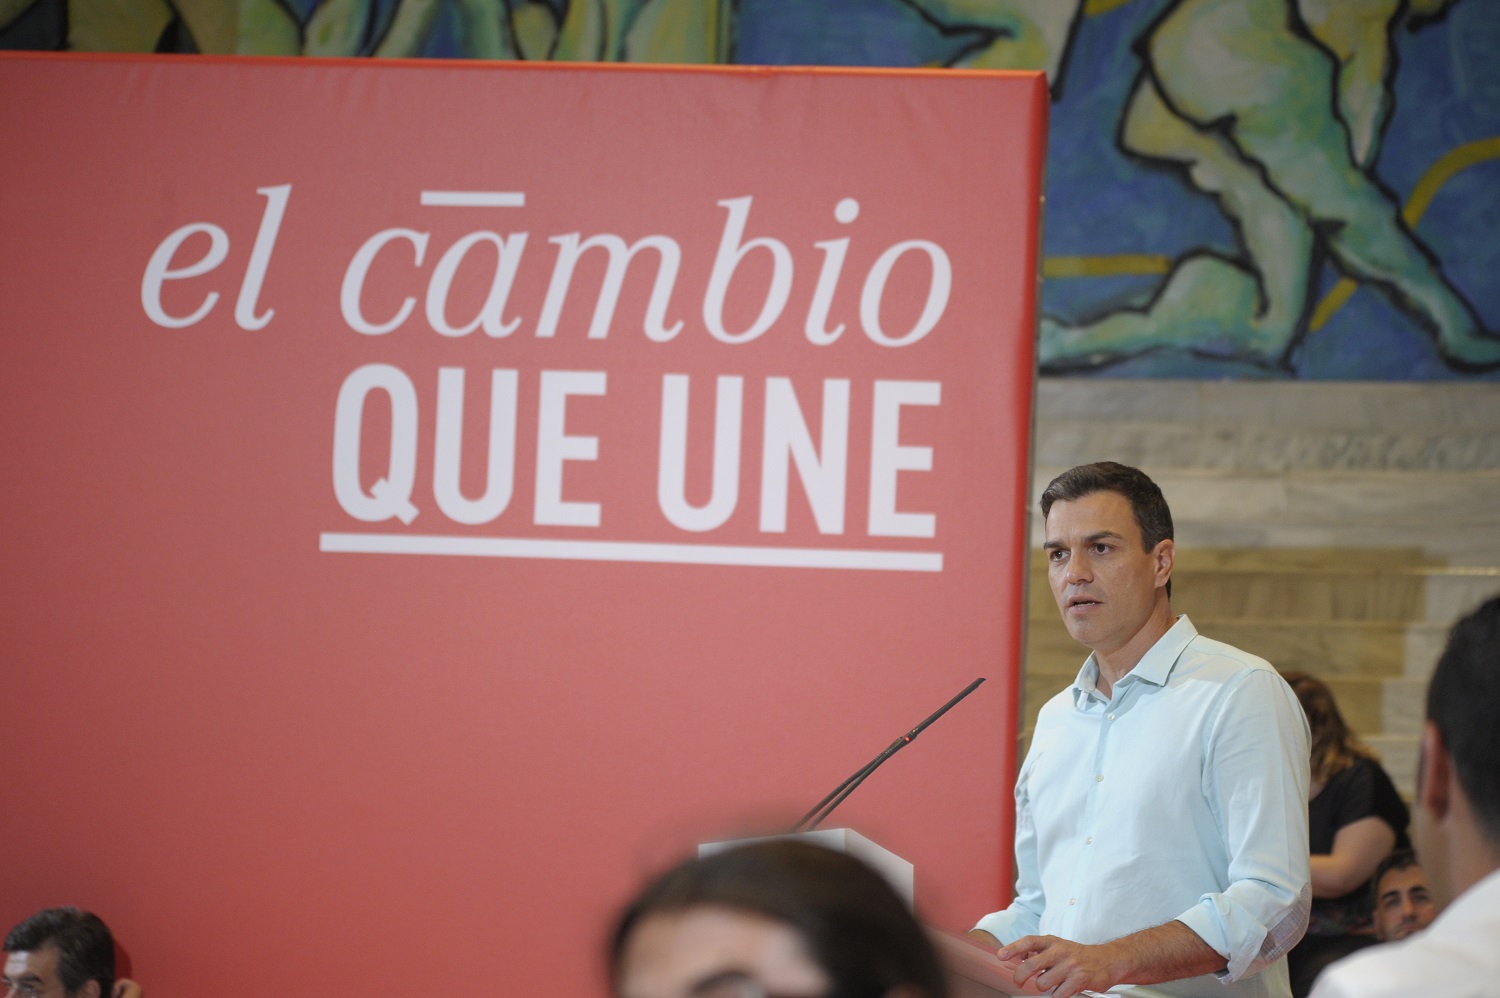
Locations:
{"points": [[474, 199], [676, 554]]}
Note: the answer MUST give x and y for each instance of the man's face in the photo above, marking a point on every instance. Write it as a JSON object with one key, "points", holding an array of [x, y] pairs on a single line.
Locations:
{"points": [[1403, 904], [33, 973], [1104, 582]]}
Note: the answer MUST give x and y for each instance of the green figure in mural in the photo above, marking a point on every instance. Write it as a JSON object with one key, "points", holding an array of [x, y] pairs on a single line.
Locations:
{"points": [[1276, 113], [687, 31], [1017, 34]]}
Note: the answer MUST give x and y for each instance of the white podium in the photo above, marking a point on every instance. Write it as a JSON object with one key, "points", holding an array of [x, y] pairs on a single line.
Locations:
{"points": [[898, 872]]}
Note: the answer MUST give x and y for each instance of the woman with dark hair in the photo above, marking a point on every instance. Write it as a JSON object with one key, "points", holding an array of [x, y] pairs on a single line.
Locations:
{"points": [[772, 919], [1355, 818]]}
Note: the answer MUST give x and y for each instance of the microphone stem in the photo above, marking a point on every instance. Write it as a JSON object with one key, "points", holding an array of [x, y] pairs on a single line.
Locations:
{"points": [[824, 807]]}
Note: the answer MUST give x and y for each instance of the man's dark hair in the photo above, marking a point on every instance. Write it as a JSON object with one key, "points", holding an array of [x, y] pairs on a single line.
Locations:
{"points": [[1146, 501], [1400, 859], [85, 949], [1460, 702], [852, 922]]}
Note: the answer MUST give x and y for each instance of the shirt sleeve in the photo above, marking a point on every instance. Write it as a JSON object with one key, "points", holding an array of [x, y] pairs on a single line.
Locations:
{"points": [[1256, 781], [1024, 916]]}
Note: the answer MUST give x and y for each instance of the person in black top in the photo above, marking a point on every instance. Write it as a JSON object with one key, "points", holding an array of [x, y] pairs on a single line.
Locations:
{"points": [[1355, 818]]}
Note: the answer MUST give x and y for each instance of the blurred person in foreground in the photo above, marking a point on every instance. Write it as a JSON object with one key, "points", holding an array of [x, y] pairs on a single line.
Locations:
{"points": [[63, 951], [1403, 901], [772, 919], [1457, 828], [1355, 818], [1161, 812]]}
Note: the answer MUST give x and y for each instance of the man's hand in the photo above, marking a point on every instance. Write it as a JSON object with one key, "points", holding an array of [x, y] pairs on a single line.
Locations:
{"points": [[989, 942], [1060, 966], [1167, 952]]}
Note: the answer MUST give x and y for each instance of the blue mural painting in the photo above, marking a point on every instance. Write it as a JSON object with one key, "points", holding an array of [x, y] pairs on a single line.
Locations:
{"points": [[1236, 188]]}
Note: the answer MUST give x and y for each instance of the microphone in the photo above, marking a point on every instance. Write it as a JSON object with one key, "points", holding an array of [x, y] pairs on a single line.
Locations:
{"points": [[823, 808]]}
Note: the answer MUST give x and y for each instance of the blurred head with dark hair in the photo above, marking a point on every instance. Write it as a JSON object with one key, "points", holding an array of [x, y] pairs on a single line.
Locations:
{"points": [[1458, 780], [61, 950], [772, 919], [1334, 746]]}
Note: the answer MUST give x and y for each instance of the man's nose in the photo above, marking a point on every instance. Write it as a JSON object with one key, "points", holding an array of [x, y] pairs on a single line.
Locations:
{"points": [[1079, 569]]}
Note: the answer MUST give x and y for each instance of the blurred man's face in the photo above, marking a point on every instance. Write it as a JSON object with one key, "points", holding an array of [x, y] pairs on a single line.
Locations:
{"points": [[1429, 814], [33, 973], [716, 952], [1403, 904]]}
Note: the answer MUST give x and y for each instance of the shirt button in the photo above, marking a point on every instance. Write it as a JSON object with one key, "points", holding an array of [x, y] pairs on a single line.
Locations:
{"points": [[1111, 717], [1089, 841], [1072, 900], [1099, 778]]}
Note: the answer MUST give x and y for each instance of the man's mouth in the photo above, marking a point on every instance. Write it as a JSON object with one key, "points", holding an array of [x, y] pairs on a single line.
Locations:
{"points": [[1081, 601]]}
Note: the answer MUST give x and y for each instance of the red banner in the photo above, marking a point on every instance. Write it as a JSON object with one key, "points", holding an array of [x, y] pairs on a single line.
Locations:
{"points": [[441, 493]]}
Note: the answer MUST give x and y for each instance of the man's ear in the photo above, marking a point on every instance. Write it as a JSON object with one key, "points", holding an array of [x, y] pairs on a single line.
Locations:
{"points": [[1433, 773], [1164, 556]]}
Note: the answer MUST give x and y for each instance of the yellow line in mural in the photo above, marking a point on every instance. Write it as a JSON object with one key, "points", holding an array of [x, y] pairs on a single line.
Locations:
{"points": [[1117, 265], [1092, 7], [1452, 161], [1438, 174]]}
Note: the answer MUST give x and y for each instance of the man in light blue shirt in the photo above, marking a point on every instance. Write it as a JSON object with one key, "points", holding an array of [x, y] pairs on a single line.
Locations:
{"points": [[1161, 813]]}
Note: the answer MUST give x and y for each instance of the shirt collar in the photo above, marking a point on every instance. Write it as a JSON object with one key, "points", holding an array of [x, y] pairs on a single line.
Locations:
{"points": [[1154, 667]]}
